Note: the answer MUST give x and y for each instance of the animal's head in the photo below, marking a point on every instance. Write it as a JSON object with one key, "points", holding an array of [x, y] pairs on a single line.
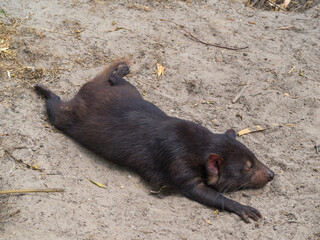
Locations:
{"points": [[236, 167]]}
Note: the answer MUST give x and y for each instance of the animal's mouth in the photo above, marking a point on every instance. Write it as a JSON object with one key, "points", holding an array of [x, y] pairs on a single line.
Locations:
{"points": [[252, 186], [224, 188], [233, 187]]}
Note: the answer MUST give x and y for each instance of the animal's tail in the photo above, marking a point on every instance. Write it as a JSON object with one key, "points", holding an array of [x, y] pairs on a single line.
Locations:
{"points": [[45, 92], [55, 113]]}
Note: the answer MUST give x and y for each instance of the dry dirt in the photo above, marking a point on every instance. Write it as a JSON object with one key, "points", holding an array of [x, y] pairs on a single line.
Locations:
{"points": [[65, 43]]}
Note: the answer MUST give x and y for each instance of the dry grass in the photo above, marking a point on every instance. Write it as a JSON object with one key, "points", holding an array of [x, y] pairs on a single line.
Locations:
{"points": [[282, 5], [12, 65]]}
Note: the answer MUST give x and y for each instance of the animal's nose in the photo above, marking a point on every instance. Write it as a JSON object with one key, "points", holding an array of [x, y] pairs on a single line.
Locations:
{"points": [[271, 175]]}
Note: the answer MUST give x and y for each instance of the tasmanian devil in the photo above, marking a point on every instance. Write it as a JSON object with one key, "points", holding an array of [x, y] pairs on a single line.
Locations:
{"points": [[109, 116]]}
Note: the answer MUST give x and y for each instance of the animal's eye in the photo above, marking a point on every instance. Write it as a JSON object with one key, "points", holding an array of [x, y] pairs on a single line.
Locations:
{"points": [[248, 164], [247, 167]]}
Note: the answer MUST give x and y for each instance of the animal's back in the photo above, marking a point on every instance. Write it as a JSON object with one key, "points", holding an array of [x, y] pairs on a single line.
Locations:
{"points": [[114, 129]]}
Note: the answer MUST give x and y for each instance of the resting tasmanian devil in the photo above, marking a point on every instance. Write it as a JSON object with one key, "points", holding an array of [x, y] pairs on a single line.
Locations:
{"points": [[109, 116]]}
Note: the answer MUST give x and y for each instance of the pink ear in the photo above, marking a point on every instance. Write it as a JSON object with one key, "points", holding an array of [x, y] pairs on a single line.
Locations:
{"points": [[214, 163]]}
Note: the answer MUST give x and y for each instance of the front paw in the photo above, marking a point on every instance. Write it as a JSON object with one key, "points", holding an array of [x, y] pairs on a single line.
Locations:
{"points": [[247, 212]]}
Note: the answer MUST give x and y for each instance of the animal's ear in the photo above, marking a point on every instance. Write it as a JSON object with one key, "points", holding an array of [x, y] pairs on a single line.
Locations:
{"points": [[214, 165], [231, 132]]}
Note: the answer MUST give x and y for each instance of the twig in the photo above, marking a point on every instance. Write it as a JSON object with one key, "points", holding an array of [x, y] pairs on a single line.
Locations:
{"points": [[256, 3], [276, 5], [292, 69], [31, 190], [119, 28], [286, 3], [203, 102], [48, 30], [14, 213], [239, 94], [145, 231], [284, 28], [64, 92], [259, 128], [198, 40], [260, 3], [18, 161], [296, 8]]}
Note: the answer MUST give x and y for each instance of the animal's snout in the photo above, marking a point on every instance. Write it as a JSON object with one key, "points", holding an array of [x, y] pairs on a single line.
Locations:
{"points": [[271, 175]]}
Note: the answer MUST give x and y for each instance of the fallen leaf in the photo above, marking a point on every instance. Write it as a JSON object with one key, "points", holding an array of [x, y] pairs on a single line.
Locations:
{"points": [[207, 221], [216, 211], [160, 70], [98, 184], [301, 73]]}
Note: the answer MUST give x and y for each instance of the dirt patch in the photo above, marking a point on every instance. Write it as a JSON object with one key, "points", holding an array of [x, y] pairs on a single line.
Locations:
{"points": [[65, 43]]}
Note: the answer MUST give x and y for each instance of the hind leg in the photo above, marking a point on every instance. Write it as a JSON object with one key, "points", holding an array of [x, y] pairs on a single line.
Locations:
{"points": [[117, 75], [121, 70], [112, 74]]}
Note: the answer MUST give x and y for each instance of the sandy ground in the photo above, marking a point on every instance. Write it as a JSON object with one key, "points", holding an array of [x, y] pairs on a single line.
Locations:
{"points": [[65, 43]]}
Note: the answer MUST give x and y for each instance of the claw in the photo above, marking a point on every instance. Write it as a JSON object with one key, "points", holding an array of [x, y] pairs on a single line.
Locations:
{"points": [[247, 212]]}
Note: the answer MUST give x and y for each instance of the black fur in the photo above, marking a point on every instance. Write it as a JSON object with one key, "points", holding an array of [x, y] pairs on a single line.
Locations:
{"points": [[109, 116]]}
